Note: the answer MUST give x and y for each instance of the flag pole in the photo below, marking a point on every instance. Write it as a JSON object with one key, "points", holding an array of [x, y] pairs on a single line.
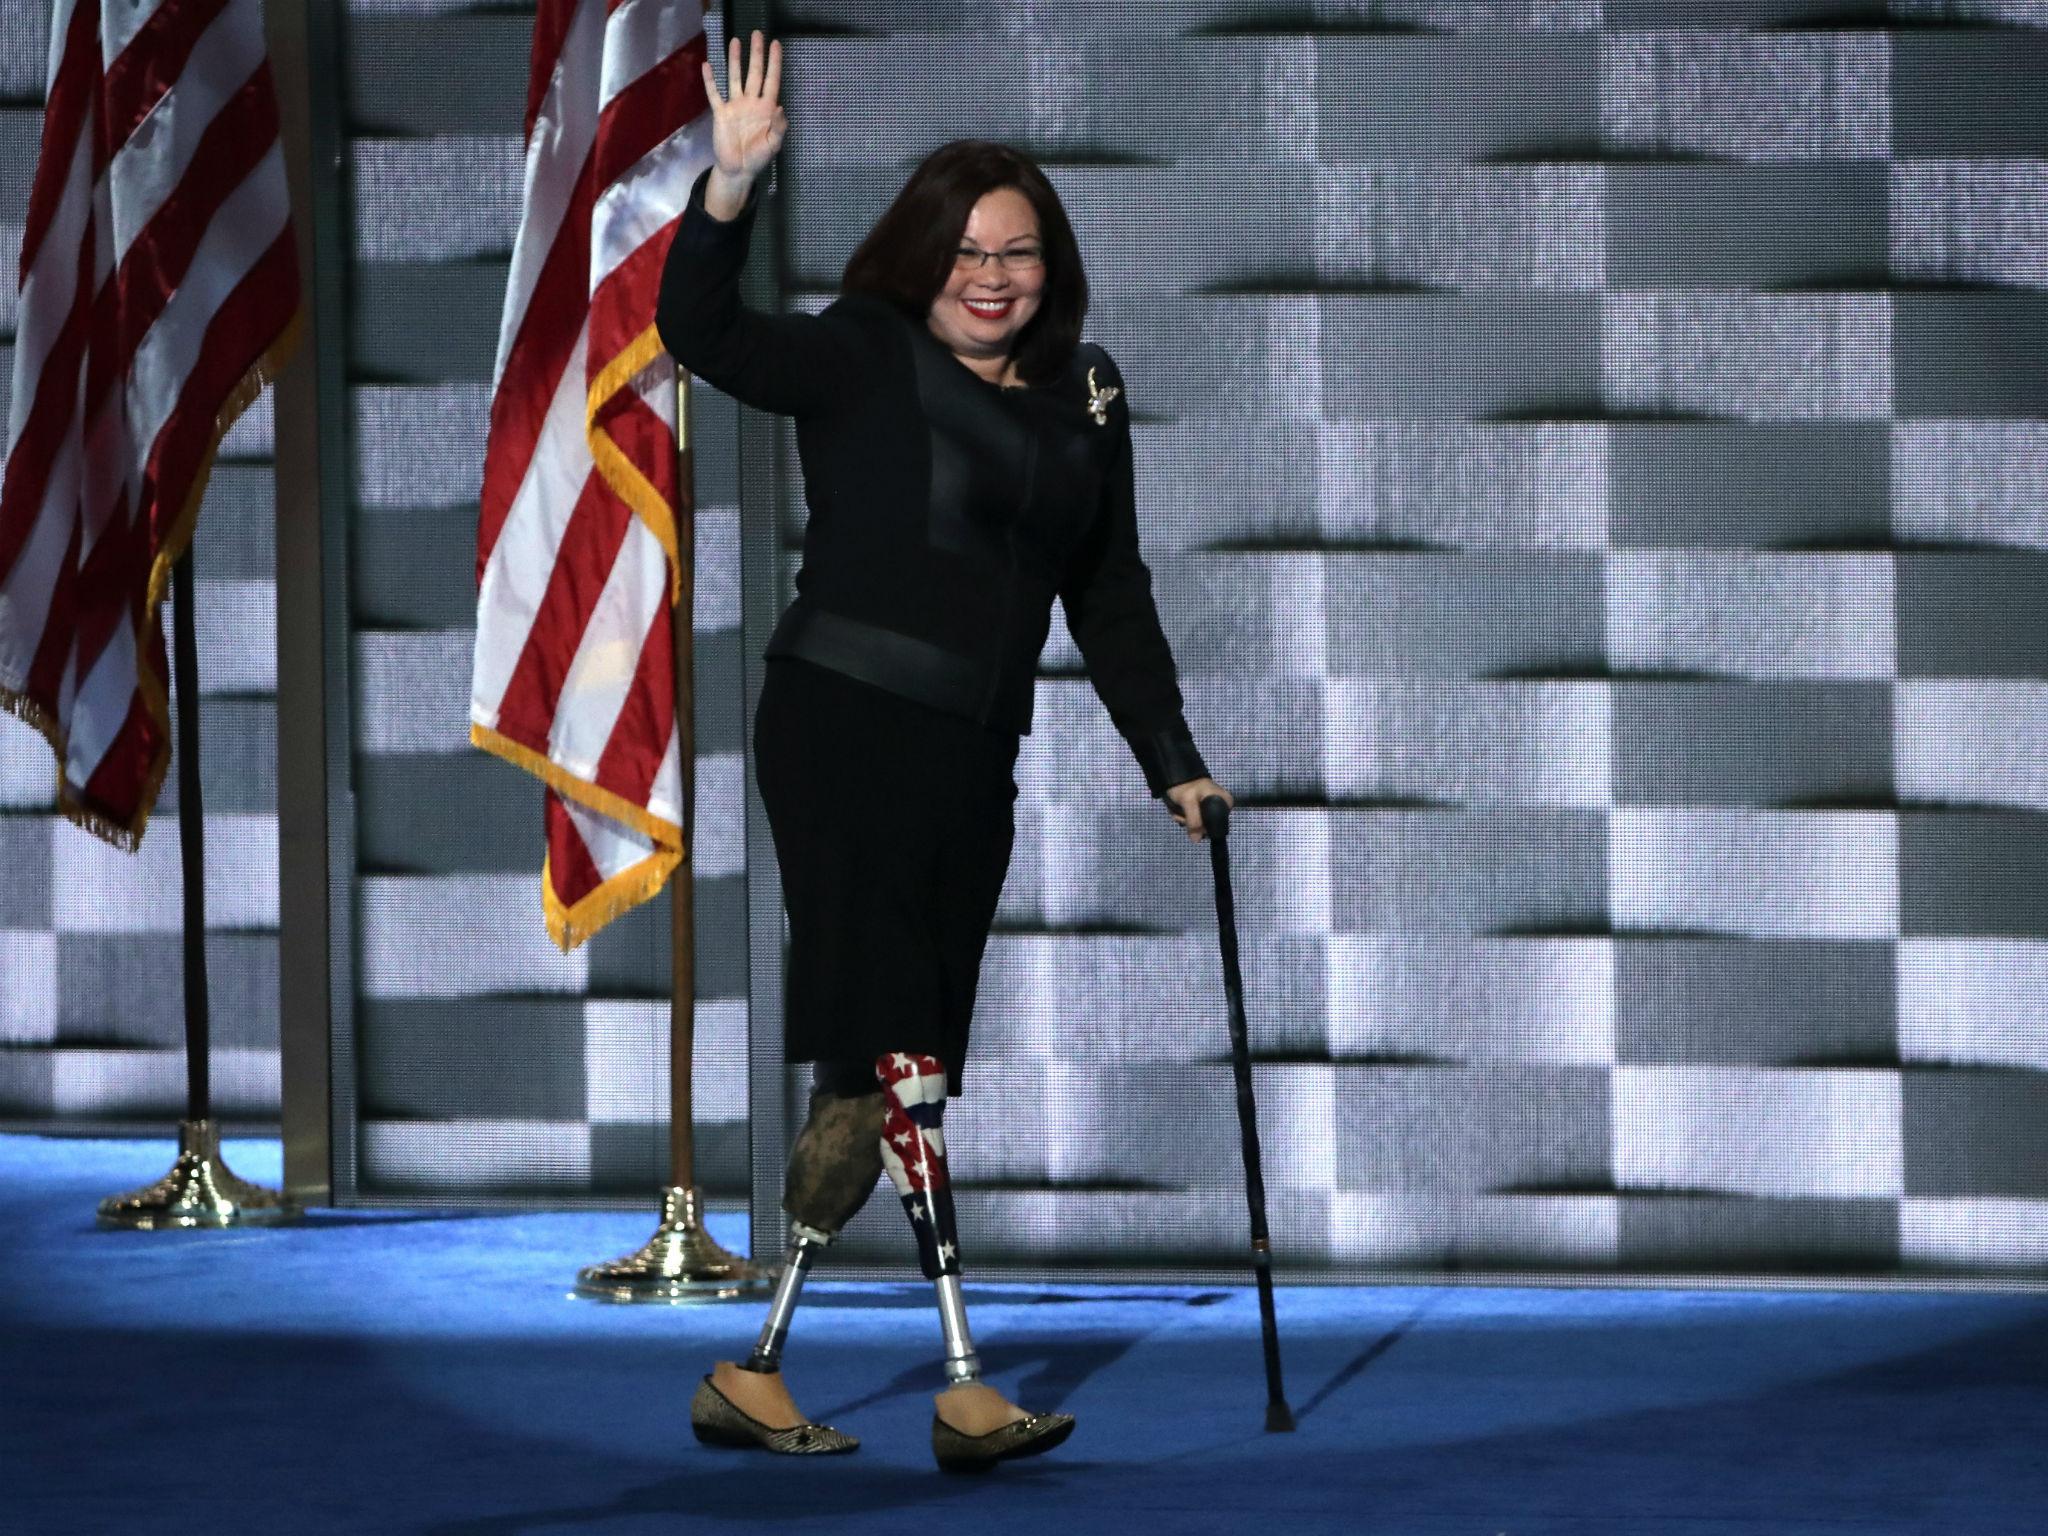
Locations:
{"points": [[681, 1262], [682, 885], [199, 1191]]}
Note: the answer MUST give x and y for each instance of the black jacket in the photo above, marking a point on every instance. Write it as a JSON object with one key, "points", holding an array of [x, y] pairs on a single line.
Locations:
{"points": [[945, 513]]}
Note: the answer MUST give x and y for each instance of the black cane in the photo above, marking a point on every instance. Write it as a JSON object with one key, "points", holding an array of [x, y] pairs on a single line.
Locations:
{"points": [[1216, 823]]}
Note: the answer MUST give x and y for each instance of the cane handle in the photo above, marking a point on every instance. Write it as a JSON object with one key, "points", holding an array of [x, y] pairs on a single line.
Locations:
{"points": [[1216, 816]]}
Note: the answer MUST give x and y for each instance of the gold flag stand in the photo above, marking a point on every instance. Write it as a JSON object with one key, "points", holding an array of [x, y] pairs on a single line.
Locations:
{"points": [[199, 1191], [681, 1262]]}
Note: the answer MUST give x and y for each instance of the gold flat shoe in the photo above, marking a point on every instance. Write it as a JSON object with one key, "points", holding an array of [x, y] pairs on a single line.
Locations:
{"points": [[978, 1453], [716, 1419]]}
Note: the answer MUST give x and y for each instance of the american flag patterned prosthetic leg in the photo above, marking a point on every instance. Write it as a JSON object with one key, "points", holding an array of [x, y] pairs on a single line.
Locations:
{"points": [[914, 1153]]}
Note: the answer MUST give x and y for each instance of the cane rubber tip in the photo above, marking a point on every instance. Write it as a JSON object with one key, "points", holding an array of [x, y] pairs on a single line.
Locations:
{"points": [[1279, 1419]]}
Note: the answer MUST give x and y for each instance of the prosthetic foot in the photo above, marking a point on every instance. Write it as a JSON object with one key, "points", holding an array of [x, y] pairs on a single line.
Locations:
{"points": [[832, 1171], [748, 1406], [974, 1427]]}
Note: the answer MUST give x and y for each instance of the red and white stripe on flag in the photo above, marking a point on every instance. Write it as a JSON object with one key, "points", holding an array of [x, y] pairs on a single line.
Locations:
{"points": [[576, 541], [159, 290]]}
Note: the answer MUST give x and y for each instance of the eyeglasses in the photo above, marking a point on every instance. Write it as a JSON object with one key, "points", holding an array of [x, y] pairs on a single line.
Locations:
{"points": [[972, 258]]}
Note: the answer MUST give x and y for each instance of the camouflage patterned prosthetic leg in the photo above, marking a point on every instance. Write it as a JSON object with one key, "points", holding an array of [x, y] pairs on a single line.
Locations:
{"points": [[836, 1160], [914, 1152], [832, 1171]]}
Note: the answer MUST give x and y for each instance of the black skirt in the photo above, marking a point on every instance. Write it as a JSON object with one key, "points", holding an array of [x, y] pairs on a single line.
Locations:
{"points": [[893, 823]]}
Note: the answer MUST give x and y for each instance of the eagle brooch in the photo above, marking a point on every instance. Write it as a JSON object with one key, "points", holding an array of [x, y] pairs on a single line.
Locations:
{"points": [[1099, 398]]}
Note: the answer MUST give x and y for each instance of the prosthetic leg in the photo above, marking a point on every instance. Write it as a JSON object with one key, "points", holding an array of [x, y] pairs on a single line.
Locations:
{"points": [[832, 1171], [914, 1153]]}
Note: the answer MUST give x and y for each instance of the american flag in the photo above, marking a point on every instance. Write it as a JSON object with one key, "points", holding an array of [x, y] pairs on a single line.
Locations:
{"points": [[159, 290], [583, 492]]}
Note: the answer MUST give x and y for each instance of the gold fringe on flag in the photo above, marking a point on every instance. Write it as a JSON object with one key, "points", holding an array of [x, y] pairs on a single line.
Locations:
{"points": [[619, 471], [570, 924], [177, 538]]}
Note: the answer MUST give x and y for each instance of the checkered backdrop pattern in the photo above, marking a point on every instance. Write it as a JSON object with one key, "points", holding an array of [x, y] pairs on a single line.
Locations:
{"points": [[1593, 458], [1594, 465]]}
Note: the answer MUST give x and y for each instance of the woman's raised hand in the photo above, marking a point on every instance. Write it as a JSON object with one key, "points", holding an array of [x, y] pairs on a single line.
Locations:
{"points": [[747, 127]]}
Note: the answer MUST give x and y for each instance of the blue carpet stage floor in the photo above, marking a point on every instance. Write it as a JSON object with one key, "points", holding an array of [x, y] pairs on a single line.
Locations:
{"points": [[420, 1372]]}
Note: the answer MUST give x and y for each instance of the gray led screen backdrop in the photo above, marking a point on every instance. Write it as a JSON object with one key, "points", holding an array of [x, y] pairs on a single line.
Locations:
{"points": [[1595, 465]]}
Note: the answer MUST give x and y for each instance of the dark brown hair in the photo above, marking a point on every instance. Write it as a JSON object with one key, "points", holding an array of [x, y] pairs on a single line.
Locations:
{"points": [[908, 255]]}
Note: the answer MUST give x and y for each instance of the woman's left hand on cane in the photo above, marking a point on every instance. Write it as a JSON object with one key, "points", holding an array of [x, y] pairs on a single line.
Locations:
{"points": [[1184, 804]]}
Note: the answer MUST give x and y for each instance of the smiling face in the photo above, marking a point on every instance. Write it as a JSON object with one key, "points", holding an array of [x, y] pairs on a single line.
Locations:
{"points": [[982, 307]]}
